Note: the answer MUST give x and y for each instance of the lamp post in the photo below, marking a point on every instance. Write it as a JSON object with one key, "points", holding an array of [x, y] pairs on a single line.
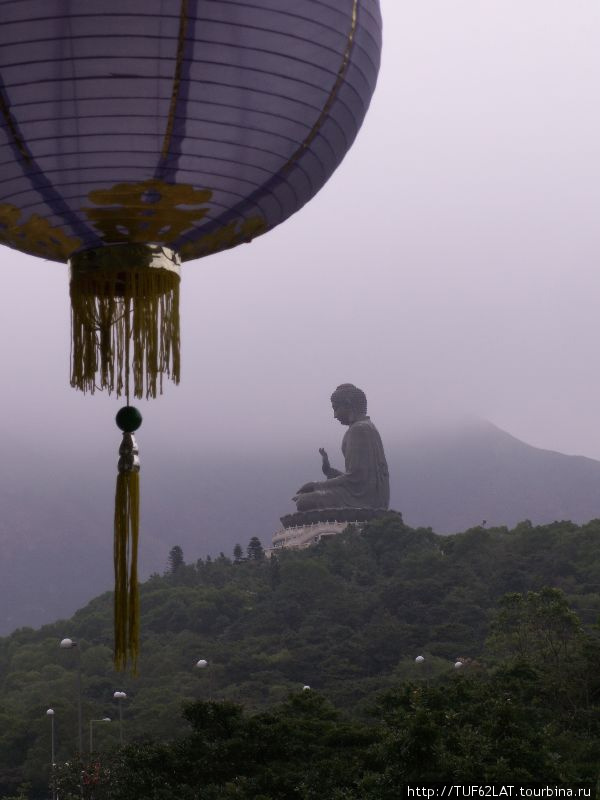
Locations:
{"points": [[201, 665], [50, 713], [424, 665], [120, 696], [103, 719], [69, 644]]}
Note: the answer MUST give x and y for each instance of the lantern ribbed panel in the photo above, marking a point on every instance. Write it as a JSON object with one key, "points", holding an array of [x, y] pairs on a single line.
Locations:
{"points": [[254, 101]]}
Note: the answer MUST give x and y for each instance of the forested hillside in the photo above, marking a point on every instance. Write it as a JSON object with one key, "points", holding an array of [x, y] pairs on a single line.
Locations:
{"points": [[347, 617]]}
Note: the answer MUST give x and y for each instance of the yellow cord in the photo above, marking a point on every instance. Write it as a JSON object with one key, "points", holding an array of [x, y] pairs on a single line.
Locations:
{"points": [[126, 606]]}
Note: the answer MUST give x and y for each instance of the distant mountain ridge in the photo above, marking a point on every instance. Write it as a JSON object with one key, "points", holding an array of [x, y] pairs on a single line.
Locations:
{"points": [[479, 472], [55, 527]]}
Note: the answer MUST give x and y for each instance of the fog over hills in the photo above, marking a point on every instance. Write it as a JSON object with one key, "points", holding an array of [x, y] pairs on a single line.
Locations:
{"points": [[457, 479], [56, 522]]}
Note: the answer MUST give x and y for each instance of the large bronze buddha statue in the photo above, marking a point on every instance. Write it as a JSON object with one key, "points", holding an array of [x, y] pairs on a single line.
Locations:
{"points": [[364, 483]]}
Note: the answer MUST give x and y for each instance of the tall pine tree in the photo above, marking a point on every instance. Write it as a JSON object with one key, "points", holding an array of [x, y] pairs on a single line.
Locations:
{"points": [[255, 549]]}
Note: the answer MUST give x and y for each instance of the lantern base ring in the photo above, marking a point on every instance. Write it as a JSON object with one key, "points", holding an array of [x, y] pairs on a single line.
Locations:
{"points": [[124, 258]]}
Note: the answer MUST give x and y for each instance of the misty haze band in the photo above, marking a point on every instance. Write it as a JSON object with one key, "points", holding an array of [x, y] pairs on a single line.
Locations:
{"points": [[365, 481]]}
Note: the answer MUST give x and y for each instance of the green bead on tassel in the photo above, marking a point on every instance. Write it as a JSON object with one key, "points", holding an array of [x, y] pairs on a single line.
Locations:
{"points": [[127, 522]]}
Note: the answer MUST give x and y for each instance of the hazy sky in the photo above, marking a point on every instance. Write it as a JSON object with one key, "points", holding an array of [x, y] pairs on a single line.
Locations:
{"points": [[450, 266]]}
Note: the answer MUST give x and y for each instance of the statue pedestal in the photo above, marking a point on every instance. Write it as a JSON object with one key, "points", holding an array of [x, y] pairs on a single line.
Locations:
{"points": [[346, 515]]}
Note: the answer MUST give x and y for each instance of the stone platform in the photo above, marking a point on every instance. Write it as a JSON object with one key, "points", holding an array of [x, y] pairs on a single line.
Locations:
{"points": [[299, 537], [307, 528]]}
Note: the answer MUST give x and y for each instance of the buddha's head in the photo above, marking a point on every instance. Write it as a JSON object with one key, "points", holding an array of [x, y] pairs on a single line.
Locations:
{"points": [[349, 403]]}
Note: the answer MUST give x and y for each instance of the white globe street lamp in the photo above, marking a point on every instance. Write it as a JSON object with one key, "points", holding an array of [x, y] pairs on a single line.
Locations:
{"points": [[201, 665], [119, 696], [50, 713], [104, 719], [458, 665], [69, 644], [424, 666]]}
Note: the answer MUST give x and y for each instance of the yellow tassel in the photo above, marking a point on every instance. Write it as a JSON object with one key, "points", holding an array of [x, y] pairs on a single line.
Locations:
{"points": [[127, 606], [124, 319]]}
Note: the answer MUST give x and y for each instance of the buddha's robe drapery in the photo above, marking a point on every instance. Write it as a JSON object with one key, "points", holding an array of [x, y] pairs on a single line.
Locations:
{"points": [[365, 482]]}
